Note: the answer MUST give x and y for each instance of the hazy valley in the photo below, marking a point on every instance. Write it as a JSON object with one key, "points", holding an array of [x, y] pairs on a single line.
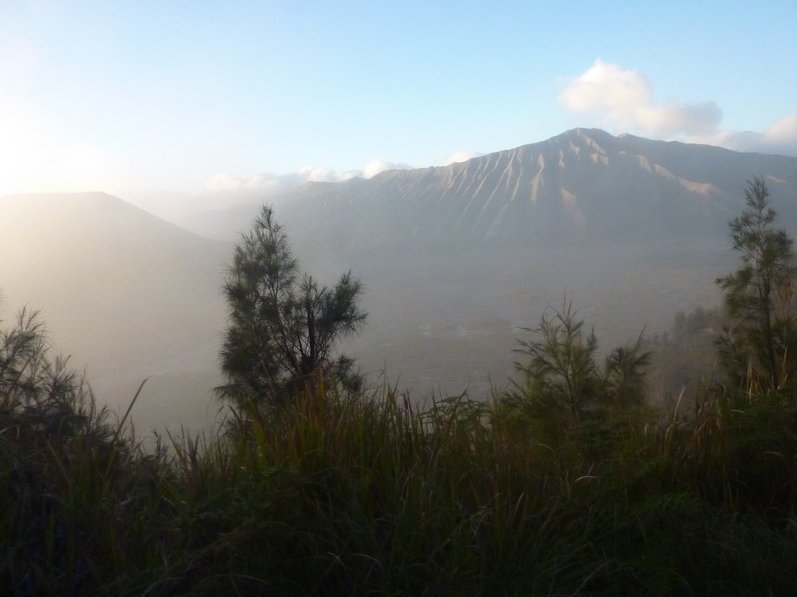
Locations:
{"points": [[332, 298], [454, 260]]}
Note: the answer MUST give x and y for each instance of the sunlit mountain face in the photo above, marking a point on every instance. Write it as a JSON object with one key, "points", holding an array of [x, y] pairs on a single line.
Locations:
{"points": [[457, 258], [584, 186]]}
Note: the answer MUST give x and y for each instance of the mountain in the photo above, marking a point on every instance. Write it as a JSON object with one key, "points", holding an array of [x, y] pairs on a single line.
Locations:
{"points": [[128, 295], [456, 259], [584, 186]]}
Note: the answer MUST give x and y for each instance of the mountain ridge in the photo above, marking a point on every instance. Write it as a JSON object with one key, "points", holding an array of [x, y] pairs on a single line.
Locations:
{"points": [[78, 205], [582, 186], [454, 260], [130, 296]]}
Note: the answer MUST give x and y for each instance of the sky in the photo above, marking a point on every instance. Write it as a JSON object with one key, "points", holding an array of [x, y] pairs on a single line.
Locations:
{"points": [[169, 101]]}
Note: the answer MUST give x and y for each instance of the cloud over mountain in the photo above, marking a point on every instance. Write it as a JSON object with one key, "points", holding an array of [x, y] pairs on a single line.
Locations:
{"points": [[780, 137], [378, 166], [624, 99], [270, 184], [582, 186], [460, 156]]}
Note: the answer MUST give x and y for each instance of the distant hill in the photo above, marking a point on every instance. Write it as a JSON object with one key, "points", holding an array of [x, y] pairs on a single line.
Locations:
{"points": [[584, 186], [455, 260], [128, 295]]}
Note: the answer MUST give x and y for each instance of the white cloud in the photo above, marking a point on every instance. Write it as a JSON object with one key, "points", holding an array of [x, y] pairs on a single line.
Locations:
{"points": [[227, 189], [460, 156], [623, 99], [379, 166], [783, 130], [227, 183], [608, 87], [674, 119], [317, 174], [780, 137], [269, 184]]}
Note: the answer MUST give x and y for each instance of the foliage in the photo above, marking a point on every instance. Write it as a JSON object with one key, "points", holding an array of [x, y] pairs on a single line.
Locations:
{"points": [[563, 390], [65, 473], [687, 325], [365, 493], [41, 392], [684, 361], [565, 485], [560, 377], [282, 328], [759, 345], [624, 374]]}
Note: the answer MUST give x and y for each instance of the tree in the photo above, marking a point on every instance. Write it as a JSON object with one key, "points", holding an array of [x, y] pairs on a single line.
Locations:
{"points": [[563, 390], [41, 399], [757, 346], [282, 328], [561, 379], [624, 374]]}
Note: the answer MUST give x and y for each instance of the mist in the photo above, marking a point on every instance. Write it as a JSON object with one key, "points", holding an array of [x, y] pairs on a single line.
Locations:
{"points": [[451, 273]]}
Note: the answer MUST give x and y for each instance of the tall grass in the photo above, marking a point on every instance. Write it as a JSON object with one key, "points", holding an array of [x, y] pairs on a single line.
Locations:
{"points": [[369, 494]]}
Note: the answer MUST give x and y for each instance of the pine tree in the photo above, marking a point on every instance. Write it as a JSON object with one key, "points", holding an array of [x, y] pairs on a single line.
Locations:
{"points": [[563, 391], [757, 347], [561, 379], [624, 374], [283, 329]]}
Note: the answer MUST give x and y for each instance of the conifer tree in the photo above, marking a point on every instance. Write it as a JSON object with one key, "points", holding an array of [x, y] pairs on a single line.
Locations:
{"points": [[624, 374], [562, 387], [757, 347], [283, 328], [561, 378]]}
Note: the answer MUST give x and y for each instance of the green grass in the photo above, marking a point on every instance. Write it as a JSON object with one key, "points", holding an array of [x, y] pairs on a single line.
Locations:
{"points": [[370, 495]]}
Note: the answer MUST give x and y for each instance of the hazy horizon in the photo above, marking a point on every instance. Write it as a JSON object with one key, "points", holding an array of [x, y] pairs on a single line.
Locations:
{"points": [[174, 108], [518, 316], [181, 109], [455, 261], [199, 212]]}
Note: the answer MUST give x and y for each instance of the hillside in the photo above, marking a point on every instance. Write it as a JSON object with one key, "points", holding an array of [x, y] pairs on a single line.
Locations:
{"points": [[584, 187], [129, 296], [455, 260]]}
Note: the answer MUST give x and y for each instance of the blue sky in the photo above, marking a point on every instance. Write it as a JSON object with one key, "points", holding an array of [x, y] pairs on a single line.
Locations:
{"points": [[191, 97]]}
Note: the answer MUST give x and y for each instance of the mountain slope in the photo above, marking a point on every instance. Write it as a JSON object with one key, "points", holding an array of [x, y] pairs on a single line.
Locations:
{"points": [[454, 261], [583, 186], [457, 258], [128, 295]]}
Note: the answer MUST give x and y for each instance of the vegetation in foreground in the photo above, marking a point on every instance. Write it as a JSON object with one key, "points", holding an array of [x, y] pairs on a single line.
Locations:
{"points": [[566, 484]]}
